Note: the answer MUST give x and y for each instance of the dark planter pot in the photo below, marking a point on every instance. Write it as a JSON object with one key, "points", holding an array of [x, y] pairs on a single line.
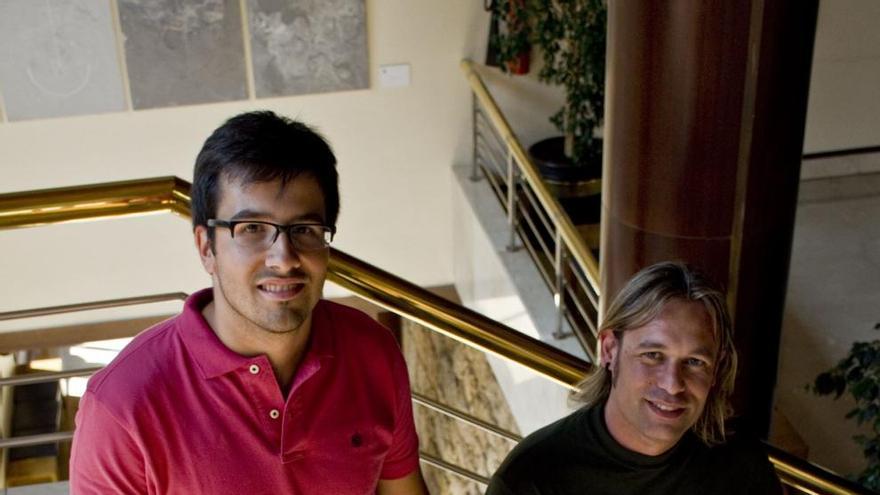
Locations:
{"points": [[576, 187]]}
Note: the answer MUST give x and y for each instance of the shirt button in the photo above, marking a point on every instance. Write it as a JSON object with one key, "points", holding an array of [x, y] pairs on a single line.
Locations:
{"points": [[254, 369], [274, 414]]}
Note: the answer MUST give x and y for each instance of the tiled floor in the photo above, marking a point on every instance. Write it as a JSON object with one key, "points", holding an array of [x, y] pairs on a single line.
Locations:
{"points": [[833, 300]]}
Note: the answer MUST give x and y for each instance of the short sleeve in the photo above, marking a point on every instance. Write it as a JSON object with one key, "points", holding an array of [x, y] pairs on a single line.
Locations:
{"points": [[105, 458], [403, 455]]}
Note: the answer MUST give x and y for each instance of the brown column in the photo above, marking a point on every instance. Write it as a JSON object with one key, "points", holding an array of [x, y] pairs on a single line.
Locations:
{"points": [[705, 111]]}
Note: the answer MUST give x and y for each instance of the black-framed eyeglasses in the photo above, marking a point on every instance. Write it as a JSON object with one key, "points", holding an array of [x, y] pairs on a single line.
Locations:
{"points": [[257, 235]]}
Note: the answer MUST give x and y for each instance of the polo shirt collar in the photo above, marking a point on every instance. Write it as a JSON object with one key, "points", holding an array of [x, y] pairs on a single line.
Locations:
{"points": [[214, 358]]}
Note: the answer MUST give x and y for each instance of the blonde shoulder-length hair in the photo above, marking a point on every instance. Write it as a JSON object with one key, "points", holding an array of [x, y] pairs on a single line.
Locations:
{"points": [[639, 302]]}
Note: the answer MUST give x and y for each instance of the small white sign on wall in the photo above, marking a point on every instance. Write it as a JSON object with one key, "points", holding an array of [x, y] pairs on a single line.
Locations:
{"points": [[394, 75]]}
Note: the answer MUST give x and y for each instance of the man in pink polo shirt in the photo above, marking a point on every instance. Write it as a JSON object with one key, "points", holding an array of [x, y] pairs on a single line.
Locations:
{"points": [[258, 386]]}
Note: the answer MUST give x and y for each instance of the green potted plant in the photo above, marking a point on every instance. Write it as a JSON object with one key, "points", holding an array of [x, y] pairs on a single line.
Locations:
{"points": [[859, 374], [570, 35]]}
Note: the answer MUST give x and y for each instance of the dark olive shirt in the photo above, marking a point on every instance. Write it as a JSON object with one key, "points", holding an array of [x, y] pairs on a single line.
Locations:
{"points": [[577, 455]]}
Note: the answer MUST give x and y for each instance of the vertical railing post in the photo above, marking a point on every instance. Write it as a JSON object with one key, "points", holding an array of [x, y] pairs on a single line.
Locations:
{"points": [[559, 289], [475, 169], [512, 180]]}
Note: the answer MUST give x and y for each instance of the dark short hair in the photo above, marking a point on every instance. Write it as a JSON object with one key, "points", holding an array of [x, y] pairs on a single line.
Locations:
{"points": [[262, 147], [639, 302]]}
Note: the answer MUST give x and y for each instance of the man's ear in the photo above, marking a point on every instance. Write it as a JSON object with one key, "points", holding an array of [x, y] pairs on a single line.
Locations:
{"points": [[609, 347], [204, 246]]}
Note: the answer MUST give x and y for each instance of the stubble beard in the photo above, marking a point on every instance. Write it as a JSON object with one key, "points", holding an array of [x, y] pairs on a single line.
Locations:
{"points": [[645, 425], [287, 320]]}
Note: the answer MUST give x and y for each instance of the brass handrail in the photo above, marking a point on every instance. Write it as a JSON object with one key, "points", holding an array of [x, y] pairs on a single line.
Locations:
{"points": [[462, 324], [569, 234], [26, 209], [810, 478], [95, 201]]}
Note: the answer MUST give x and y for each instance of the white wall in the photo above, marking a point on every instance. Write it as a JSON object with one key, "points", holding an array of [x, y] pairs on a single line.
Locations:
{"points": [[844, 99], [394, 147]]}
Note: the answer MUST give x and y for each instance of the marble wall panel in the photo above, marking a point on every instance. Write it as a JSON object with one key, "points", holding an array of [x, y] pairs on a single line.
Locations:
{"points": [[460, 377], [181, 53], [58, 58], [308, 46]]}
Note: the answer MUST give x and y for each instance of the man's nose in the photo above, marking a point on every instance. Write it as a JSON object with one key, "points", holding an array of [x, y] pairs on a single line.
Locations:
{"points": [[282, 256], [671, 378]]}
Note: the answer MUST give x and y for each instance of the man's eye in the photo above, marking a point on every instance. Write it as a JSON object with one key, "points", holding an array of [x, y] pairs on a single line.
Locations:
{"points": [[311, 230], [697, 363], [652, 356], [252, 228]]}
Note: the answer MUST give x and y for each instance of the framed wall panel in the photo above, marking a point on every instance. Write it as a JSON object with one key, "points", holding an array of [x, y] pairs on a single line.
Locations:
{"points": [[58, 58], [183, 52], [308, 46]]}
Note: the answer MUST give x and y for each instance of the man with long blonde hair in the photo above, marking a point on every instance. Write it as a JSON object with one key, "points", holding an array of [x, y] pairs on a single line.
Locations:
{"points": [[655, 410]]}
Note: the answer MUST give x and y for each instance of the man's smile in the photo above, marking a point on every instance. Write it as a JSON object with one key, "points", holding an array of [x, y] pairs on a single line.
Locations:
{"points": [[281, 290], [666, 411]]}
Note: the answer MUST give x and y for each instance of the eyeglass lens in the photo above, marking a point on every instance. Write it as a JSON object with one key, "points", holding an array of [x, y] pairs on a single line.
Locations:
{"points": [[257, 235]]}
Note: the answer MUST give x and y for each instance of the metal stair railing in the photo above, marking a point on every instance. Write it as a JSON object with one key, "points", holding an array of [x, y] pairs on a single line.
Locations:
{"points": [[569, 268]]}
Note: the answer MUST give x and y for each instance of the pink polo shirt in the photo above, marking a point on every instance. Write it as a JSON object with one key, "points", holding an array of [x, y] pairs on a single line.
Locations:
{"points": [[178, 412]]}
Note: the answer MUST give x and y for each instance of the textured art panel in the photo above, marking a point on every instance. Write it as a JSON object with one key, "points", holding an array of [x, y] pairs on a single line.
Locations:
{"points": [[183, 52], [308, 46], [58, 58]]}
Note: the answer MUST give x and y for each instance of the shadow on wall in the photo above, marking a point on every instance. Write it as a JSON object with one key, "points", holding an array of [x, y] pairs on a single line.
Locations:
{"points": [[820, 421]]}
